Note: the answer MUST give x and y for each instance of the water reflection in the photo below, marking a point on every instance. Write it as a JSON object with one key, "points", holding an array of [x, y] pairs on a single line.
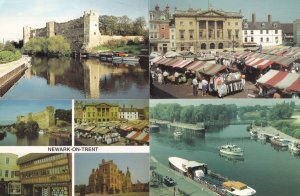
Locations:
{"points": [[69, 78]]}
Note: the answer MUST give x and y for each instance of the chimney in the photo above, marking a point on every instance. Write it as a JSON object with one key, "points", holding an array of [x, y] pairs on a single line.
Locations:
{"points": [[253, 18], [270, 19]]}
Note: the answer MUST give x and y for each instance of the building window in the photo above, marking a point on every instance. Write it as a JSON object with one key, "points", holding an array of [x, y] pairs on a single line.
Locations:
{"points": [[181, 23], [236, 23], [267, 31], [182, 48], [228, 23], [12, 174], [151, 16], [236, 34], [261, 31], [245, 39], [252, 39], [268, 39], [0, 173], [7, 160], [163, 17], [163, 27], [245, 32], [251, 32], [172, 36], [94, 33], [163, 36], [261, 39], [276, 31], [181, 34], [200, 34], [6, 173], [229, 34], [191, 34]]}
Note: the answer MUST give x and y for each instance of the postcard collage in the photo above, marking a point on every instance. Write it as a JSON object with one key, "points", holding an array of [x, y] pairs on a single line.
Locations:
{"points": [[149, 97]]}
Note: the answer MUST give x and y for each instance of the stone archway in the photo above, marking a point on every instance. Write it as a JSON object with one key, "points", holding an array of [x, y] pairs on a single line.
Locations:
{"points": [[220, 46], [203, 46], [212, 46]]}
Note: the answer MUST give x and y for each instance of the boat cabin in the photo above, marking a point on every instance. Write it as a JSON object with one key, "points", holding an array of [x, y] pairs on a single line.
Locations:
{"points": [[192, 166]]}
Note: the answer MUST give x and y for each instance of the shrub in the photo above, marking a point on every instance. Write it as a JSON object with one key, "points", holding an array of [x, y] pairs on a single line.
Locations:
{"points": [[9, 56]]}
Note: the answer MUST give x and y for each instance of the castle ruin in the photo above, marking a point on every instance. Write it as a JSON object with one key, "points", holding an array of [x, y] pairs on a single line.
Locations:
{"points": [[82, 33], [45, 118]]}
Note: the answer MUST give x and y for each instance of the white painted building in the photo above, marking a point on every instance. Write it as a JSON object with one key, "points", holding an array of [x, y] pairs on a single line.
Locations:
{"points": [[172, 36], [129, 113], [265, 33]]}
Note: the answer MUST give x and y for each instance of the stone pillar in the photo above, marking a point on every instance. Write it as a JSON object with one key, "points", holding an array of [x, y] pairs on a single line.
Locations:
{"points": [[215, 30], [206, 30]]}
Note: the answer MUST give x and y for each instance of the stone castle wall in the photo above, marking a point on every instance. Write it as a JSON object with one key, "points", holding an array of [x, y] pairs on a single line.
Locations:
{"points": [[45, 118], [81, 33]]}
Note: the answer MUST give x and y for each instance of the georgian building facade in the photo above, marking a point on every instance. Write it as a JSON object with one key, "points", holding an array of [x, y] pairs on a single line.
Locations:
{"points": [[159, 29], [207, 29], [100, 112], [262, 33]]}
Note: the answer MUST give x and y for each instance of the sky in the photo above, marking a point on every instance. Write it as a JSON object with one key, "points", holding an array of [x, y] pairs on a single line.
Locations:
{"points": [[15, 14], [10, 109], [137, 103], [285, 11], [238, 102], [137, 163]]}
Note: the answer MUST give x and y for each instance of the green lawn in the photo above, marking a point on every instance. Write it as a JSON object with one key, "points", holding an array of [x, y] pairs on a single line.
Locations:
{"points": [[251, 115]]}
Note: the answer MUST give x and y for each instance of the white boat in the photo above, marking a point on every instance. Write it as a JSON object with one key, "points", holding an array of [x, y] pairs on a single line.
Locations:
{"points": [[253, 133], [231, 150], [294, 147], [200, 173], [41, 132], [261, 136], [177, 133]]}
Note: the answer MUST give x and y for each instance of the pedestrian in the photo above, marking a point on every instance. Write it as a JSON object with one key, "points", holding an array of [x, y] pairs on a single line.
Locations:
{"points": [[277, 95], [204, 86], [195, 86], [176, 77], [165, 74]]}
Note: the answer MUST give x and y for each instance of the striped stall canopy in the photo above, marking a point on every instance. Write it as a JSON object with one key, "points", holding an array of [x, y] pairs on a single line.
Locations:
{"points": [[181, 64], [211, 69], [140, 136], [194, 66], [156, 59], [289, 82], [169, 63]]}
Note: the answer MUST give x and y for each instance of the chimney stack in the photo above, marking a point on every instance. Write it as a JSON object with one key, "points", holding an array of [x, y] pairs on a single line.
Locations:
{"points": [[157, 7], [270, 18], [253, 18]]}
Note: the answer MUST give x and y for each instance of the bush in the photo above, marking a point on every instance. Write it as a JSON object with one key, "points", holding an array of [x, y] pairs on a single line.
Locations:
{"points": [[115, 44], [9, 56]]}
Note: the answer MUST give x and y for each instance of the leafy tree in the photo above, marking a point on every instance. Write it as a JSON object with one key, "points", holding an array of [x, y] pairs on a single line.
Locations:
{"points": [[58, 46], [65, 115]]}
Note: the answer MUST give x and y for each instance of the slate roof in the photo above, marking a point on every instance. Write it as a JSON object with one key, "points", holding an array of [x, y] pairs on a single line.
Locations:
{"points": [[287, 28], [262, 25]]}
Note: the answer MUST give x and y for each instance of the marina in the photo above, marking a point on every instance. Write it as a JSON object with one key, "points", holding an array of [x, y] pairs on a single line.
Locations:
{"points": [[252, 169]]}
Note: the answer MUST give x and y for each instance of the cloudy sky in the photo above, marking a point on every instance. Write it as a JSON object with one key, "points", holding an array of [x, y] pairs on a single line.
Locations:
{"points": [[137, 163], [281, 10], [15, 14]]}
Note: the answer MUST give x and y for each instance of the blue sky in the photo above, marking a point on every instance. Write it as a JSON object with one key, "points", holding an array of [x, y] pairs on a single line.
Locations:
{"points": [[14, 14], [10, 109], [238, 102], [281, 10], [138, 164]]}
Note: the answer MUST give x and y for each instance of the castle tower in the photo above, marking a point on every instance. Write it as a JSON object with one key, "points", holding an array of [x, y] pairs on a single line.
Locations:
{"points": [[50, 26], [26, 34], [91, 29], [49, 116], [127, 182]]}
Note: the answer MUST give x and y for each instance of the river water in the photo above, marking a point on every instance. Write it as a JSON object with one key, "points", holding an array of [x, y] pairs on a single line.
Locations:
{"points": [[42, 140], [268, 170], [66, 78]]}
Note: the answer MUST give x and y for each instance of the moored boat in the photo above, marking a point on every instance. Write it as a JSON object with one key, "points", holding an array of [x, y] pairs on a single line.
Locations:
{"points": [[2, 134], [294, 147], [177, 133], [276, 140], [199, 172], [253, 133], [261, 136], [230, 149]]}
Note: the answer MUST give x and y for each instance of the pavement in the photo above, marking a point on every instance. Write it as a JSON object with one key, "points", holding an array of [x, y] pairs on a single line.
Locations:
{"points": [[8, 67], [161, 91], [183, 183], [273, 131]]}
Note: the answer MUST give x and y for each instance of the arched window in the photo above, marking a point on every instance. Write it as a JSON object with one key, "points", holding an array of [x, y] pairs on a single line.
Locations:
{"points": [[203, 46], [212, 46]]}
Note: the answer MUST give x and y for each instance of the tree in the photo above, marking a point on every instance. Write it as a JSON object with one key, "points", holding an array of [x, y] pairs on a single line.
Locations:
{"points": [[1, 46], [58, 46], [139, 26]]}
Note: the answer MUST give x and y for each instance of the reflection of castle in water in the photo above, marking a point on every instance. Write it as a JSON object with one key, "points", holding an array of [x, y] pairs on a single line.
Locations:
{"points": [[89, 76]]}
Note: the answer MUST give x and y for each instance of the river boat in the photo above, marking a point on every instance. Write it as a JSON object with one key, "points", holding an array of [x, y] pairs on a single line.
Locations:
{"points": [[177, 133], [261, 136], [276, 140], [199, 172], [253, 133], [231, 149], [154, 128], [294, 147]]}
